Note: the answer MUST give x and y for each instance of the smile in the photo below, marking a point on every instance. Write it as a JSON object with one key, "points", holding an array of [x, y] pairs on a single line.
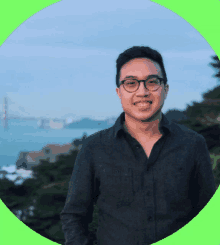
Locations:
{"points": [[143, 104]]}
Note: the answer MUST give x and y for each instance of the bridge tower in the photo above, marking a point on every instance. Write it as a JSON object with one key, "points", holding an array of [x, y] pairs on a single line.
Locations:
{"points": [[5, 113]]}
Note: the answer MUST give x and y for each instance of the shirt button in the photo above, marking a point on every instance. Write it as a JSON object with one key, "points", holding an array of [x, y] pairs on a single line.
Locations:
{"points": [[137, 146]]}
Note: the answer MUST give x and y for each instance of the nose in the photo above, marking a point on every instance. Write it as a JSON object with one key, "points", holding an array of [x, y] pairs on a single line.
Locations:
{"points": [[142, 89]]}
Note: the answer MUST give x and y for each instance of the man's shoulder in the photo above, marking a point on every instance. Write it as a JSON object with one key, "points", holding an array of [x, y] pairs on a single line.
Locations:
{"points": [[100, 137]]}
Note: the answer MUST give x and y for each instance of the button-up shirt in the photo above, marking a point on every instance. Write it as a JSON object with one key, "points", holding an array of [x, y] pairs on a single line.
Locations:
{"points": [[140, 200]]}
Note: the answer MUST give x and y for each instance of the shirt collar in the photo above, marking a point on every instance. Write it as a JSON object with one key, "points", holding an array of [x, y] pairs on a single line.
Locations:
{"points": [[165, 125]]}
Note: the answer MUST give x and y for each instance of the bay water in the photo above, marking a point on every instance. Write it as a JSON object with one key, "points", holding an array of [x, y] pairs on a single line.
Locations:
{"points": [[24, 135]]}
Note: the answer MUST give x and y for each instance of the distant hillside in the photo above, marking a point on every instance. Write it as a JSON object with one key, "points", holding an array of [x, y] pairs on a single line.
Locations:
{"points": [[90, 123], [175, 115]]}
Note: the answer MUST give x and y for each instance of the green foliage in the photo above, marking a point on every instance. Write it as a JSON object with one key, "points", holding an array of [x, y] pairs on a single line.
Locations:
{"points": [[216, 65], [213, 93], [46, 192]]}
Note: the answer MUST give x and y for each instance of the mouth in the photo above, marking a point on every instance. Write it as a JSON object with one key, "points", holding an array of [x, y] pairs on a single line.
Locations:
{"points": [[143, 105], [143, 102]]}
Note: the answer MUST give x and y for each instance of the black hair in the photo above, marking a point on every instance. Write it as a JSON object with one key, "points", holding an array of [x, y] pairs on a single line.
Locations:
{"points": [[139, 52]]}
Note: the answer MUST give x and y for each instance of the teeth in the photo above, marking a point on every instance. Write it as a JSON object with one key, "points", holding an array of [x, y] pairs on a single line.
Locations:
{"points": [[144, 102]]}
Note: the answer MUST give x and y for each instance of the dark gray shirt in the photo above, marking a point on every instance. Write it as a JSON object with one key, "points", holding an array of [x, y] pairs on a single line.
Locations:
{"points": [[141, 200]]}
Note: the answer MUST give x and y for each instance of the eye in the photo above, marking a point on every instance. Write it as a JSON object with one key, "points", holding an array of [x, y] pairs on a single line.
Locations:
{"points": [[153, 80], [130, 82]]}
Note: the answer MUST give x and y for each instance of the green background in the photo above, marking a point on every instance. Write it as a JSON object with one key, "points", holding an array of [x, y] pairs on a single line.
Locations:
{"points": [[204, 17]]}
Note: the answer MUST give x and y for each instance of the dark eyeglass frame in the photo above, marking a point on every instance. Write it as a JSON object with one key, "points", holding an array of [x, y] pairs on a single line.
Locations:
{"points": [[139, 81]]}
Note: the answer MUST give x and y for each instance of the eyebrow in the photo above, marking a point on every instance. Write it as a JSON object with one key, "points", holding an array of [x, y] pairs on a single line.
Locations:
{"points": [[153, 75]]}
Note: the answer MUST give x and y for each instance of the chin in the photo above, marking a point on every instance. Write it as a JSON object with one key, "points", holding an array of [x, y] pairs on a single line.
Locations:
{"points": [[143, 116]]}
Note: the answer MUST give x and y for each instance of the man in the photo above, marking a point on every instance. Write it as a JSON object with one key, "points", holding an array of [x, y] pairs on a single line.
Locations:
{"points": [[148, 176]]}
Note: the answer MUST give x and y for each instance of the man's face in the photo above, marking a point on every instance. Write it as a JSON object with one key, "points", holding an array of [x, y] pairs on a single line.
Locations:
{"points": [[141, 68]]}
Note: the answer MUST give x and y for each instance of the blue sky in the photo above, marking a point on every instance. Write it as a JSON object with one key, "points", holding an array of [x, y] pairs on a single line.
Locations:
{"points": [[61, 62]]}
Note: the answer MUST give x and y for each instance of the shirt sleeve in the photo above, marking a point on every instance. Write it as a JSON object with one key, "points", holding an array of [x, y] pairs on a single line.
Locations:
{"points": [[204, 184], [78, 209]]}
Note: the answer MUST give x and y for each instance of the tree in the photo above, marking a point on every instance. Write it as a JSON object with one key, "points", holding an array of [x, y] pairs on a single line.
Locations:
{"points": [[204, 118], [207, 112], [216, 65], [175, 115]]}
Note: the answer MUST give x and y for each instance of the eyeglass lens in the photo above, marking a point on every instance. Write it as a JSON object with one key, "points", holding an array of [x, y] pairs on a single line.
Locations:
{"points": [[132, 84]]}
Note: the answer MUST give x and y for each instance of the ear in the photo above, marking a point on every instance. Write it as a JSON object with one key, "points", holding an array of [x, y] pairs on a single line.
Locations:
{"points": [[118, 92], [166, 89]]}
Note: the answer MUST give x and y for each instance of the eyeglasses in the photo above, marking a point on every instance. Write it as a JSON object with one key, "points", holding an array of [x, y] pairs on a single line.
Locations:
{"points": [[152, 83]]}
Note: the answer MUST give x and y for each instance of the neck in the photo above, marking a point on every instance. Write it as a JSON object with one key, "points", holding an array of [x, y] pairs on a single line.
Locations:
{"points": [[148, 128]]}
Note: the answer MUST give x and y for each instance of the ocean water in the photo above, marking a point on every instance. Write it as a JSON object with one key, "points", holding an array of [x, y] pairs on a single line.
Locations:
{"points": [[27, 136]]}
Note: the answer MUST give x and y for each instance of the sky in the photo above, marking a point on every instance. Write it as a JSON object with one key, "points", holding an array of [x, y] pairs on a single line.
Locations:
{"points": [[61, 62]]}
